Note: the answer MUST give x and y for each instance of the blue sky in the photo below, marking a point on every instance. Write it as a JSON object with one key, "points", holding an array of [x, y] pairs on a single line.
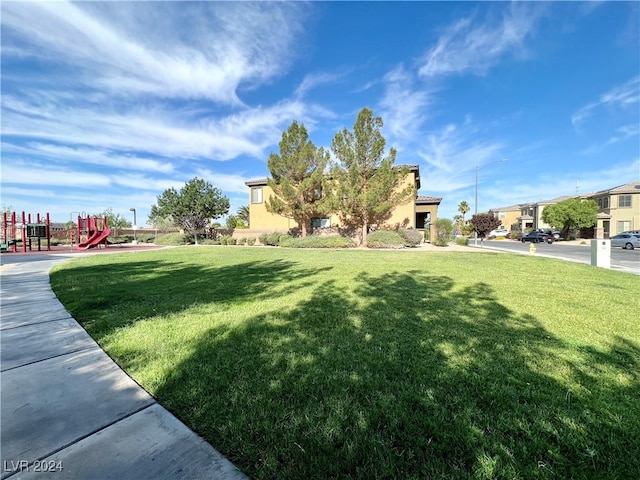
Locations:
{"points": [[108, 104]]}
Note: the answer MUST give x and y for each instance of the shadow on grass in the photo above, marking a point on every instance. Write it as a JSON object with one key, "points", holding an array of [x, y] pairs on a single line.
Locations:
{"points": [[408, 377], [142, 290]]}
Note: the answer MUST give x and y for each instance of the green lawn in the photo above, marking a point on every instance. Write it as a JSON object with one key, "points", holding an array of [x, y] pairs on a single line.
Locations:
{"points": [[378, 364]]}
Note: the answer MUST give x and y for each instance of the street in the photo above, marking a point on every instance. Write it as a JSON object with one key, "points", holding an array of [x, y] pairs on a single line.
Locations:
{"points": [[623, 260]]}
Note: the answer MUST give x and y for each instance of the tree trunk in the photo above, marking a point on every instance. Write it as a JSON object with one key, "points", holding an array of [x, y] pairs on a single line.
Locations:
{"points": [[303, 228], [365, 227]]}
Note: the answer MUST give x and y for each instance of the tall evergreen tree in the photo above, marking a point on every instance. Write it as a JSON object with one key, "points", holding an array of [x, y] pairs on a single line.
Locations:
{"points": [[367, 185], [297, 176]]}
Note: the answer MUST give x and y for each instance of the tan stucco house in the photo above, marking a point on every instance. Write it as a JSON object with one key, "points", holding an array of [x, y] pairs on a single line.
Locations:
{"points": [[419, 213], [508, 216], [531, 213], [619, 209]]}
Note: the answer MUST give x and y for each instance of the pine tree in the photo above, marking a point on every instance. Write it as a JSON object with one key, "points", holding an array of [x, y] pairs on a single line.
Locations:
{"points": [[297, 176], [367, 185]]}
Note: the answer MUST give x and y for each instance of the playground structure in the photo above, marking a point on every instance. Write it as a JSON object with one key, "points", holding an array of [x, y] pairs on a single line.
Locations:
{"points": [[24, 232], [89, 232], [94, 230]]}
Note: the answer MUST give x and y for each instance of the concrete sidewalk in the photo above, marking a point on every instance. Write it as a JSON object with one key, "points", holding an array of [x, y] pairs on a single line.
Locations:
{"points": [[67, 410]]}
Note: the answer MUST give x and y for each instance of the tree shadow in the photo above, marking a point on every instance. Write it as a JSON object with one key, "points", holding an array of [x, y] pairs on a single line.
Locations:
{"points": [[409, 376], [149, 289]]}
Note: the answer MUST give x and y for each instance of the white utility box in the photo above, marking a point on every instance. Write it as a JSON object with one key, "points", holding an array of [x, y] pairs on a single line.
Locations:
{"points": [[601, 253]]}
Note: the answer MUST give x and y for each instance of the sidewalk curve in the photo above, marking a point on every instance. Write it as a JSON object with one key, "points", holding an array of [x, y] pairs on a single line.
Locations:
{"points": [[67, 410]]}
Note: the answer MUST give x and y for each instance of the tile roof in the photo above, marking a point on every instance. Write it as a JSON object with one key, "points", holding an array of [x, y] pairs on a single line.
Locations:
{"points": [[257, 182], [633, 187], [425, 199], [510, 208]]}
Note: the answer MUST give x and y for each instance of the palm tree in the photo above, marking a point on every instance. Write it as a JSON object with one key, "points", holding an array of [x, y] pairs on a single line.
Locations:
{"points": [[243, 214], [463, 208]]}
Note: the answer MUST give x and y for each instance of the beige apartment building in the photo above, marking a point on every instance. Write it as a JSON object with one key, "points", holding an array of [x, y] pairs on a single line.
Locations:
{"points": [[419, 213], [618, 211]]}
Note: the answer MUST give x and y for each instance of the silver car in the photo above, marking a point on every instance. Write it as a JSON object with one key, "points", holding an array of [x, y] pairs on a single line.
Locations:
{"points": [[626, 241]]}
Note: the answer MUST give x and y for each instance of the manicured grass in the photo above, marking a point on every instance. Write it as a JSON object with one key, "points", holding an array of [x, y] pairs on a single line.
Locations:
{"points": [[378, 364]]}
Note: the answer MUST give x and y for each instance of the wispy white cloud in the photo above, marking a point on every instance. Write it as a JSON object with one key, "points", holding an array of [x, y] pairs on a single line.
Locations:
{"points": [[136, 47], [85, 155], [625, 132], [229, 183], [156, 130], [403, 106], [314, 80], [471, 46], [454, 149], [622, 96], [31, 173]]}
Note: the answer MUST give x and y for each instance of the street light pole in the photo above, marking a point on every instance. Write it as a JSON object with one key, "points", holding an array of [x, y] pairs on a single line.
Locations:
{"points": [[478, 167], [135, 226]]}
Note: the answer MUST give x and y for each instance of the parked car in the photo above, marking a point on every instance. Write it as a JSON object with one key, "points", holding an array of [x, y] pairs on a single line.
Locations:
{"points": [[630, 232], [556, 234], [537, 237], [626, 241], [498, 232]]}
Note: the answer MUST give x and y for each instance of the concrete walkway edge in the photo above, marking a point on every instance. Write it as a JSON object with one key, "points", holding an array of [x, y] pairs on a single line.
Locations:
{"points": [[67, 411]]}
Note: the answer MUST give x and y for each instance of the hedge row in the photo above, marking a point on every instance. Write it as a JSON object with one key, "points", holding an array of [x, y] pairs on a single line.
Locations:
{"points": [[404, 237], [314, 241]]}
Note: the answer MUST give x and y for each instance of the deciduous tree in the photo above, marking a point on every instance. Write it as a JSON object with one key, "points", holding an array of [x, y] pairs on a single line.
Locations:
{"points": [[115, 221], [193, 207], [297, 177], [483, 223], [367, 184], [571, 213]]}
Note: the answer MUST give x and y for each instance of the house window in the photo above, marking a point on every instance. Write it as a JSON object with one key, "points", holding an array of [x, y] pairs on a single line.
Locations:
{"points": [[318, 222], [624, 225], [256, 195], [624, 201]]}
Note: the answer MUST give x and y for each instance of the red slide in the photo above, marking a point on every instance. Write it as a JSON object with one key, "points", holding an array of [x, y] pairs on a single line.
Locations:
{"points": [[95, 236]]}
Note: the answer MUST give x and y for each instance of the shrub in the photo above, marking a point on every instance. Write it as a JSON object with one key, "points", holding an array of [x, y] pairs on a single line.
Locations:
{"points": [[171, 239], [315, 241], [411, 236], [208, 241], [464, 241], [242, 241], [443, 227], [273, 238], [224, 240], [232, 241], [251, 241], [385, 239]]}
